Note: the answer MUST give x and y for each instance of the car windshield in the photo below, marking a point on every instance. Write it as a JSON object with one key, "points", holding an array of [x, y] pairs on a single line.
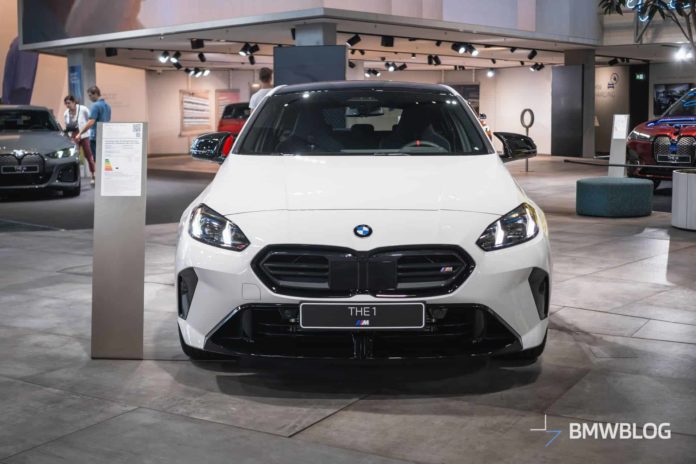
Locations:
{"points": [[364, 122], [21, 120], [236, 112], [685, 106]]}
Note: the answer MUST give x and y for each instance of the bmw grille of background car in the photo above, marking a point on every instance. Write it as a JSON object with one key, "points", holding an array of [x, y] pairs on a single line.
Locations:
{"points": [[363, 230]]}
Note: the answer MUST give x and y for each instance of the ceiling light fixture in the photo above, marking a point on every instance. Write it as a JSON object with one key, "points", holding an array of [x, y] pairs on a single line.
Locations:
{"points": [[493, 60], [490, 72], [252, 59], [613, 62], [459, 48], [244, 51], [436, 60], [402, 67], [110, 51], [353, 40], [206, 72], [175, 57], [473, 50], [351, 64], [164, 57], [201, 57], [177, 65], [532, 54], [197, 43], [387, 41]]}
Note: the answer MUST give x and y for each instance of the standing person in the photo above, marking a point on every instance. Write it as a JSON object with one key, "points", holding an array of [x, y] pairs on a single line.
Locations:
{"points": [[76, 117], [266, 78], [100, 112]]}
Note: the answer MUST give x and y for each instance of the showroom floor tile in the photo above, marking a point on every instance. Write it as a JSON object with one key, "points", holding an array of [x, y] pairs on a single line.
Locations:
{"points": [[622, 347], [175, 439]]}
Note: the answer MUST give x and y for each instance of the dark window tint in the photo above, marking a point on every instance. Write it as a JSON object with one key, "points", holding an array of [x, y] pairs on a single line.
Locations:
{"points": [[686, 106], [364, 121], [236, 112], [14, 120]]}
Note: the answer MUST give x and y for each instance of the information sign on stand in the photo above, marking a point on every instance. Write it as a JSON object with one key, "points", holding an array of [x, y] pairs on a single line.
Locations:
{"points": [[617, 152], [118, 275]]}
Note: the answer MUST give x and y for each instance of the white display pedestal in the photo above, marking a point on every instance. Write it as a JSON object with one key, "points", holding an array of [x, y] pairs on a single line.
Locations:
{"points": [[684, 199]]}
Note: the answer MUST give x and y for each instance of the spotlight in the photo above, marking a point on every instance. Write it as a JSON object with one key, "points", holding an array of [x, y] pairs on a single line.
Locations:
{"points": [[362, 52], [111, 51], [436, 60], [493, 60], [197, 43], [438, 43], [531, 55], [613, 62], [352, 51], [490, 72], [197, 72], [367, 73], [513, 49], [189, 71], [375, 72], [206, 72], [254, 48], [459, 48], [353, 40], [402, 67], [540, 66], [473, 50], [351, 64], [537, 67], [521, 63], [201, 57], [391, 67], [382, 58], [387, 41], [175, 57], [252, 59], [164, 57], [177, 65], [413, 56], [430, 59], [244, 51]]}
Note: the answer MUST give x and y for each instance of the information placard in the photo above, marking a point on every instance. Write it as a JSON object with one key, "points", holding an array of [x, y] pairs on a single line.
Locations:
{"points": [[121, 152]]}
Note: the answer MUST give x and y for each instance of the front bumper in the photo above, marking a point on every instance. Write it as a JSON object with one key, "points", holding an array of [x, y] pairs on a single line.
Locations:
{"points": [[225, 307], [47, 173], [640, 153]]}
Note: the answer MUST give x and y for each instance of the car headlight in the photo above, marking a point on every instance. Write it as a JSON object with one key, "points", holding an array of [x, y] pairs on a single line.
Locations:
{"points": [[214, 229], [518, 226], [640, 136], [64, 153]]}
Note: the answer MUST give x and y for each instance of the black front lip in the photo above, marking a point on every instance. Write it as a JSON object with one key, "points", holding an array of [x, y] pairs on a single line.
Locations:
{"points": [[215, 344]]}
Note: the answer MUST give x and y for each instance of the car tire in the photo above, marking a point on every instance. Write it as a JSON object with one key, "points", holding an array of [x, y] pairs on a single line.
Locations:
{"points": [[531, 355], [73, 192], [198, 355]]}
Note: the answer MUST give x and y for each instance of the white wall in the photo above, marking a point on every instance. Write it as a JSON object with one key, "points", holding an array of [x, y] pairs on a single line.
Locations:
{"points": [[611, 97], [163, 100]]}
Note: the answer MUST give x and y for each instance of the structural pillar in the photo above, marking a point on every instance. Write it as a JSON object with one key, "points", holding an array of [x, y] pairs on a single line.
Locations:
{"points": [[315, 34], [586, 58], [82, 73]]}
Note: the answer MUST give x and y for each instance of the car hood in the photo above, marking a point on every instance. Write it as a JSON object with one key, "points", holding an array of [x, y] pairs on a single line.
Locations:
{"points": [[33, 141], [459, 183]]}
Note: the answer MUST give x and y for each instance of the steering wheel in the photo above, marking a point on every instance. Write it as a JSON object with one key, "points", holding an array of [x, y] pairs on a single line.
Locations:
{"points": [[423, 143]]}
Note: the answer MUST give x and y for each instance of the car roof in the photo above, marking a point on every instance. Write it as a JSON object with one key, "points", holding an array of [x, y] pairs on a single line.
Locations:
{"points": [[23, 107], [350, 85]]}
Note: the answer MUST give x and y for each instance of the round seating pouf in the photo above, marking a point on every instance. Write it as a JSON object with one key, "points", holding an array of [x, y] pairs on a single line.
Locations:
{"points": [[614, 197]]}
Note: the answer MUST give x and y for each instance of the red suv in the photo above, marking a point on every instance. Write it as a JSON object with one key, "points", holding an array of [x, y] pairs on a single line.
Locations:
{"points": [[233, 118], [669, 141]]}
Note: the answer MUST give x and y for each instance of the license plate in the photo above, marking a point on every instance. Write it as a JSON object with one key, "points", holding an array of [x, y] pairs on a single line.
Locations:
{"points": [[362, 316]]}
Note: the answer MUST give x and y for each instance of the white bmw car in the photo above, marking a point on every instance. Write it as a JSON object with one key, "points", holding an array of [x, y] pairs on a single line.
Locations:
{"points": [[363, 220]]}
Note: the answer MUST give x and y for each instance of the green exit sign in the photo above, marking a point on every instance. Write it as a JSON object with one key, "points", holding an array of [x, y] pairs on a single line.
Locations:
{"points": [[640, 76]]}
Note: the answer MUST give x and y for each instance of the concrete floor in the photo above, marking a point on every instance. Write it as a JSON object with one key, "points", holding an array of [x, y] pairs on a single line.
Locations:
{"points": [[622, 348]]}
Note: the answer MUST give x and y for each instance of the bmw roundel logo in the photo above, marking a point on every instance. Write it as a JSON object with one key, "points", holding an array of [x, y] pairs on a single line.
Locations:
{"points": [[363, 230]]}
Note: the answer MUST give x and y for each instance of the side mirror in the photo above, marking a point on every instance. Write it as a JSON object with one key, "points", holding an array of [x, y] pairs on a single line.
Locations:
{"points": [[212, 147], [516, 146]]}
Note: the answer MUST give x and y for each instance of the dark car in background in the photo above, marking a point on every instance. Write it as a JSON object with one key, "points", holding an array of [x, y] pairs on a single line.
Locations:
{"points": [[659, 146], [35, 153]]}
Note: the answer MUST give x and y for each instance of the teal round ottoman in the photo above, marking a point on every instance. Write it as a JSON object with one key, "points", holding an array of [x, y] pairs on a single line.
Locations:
{"points": [[614, 197]]}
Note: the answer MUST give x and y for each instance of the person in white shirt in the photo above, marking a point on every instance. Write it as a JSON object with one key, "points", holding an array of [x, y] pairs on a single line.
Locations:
{"points": [[266, 78], [75, 117]]}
